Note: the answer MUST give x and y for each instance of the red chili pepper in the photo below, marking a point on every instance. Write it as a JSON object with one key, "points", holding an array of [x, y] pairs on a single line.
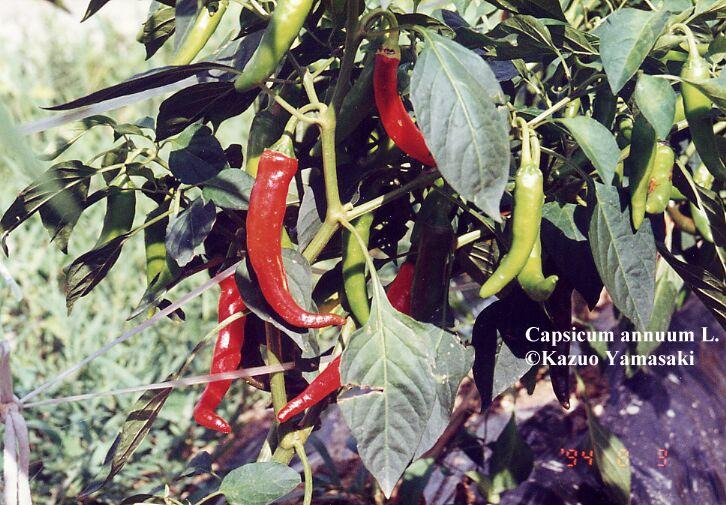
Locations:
{"points": [[276, 169], [394, 116], [226, 357], [399, 291], [328, 381]]}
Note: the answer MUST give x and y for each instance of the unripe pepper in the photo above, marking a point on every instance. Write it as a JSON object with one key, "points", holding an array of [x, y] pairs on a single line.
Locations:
{"points": [[266, 211], [394, 116], [282, 29], [640, 164], [560, 308], [328, 381], [354, 268], [226, 358], [697, 107], [160, 267], [703, 178], [526, 220], [199, 34], [659, 189], [119, 218], [605, 106], [531, 278]]}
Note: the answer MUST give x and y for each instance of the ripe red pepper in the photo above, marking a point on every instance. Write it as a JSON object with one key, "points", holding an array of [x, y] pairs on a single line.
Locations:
{"points": [[226, 357], [394, 116], [399, 294], [277, 167], [399, 291]]}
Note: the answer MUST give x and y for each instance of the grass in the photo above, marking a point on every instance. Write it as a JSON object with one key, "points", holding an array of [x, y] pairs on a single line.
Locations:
{"points": [[69, 441]]}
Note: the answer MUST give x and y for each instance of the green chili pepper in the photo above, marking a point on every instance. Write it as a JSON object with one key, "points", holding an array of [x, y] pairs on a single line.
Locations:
{"points": [[604, 106], [354, 269], [282, 30], [267, 126], [572, 109], [531, 278], [119, 218], [434, 259], [358, 102], [199, 34], [533, 282], [680, 114], [526, 219], [697, 107], [160, 268], [640, 164], [659, 188], [703, 178]]}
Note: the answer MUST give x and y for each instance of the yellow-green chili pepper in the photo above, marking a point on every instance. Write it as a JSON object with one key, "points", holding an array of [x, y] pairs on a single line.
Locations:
{"points": [[282, 30], [119, 218], [640, 164], [533, 282], [697, 107], [526, 219], [160, 268], [659, 189], [200, 33], [354, 269]]}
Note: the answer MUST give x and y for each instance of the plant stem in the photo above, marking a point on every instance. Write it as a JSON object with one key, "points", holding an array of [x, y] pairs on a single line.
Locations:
{"points": [[352, 41], [307, 471], [274, 357], [425, 179], [330, 168]]}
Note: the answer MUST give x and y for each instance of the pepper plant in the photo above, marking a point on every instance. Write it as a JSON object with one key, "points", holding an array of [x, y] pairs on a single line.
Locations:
{"points": [[535, 150]]}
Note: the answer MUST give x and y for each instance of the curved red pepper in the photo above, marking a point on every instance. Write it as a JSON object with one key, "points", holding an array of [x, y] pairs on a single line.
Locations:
{"points": [[226, 357], [394, 116], [264, 248], [328, 381]]}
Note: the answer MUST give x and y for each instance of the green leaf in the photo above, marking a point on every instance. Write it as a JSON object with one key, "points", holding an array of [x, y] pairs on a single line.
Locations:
{"points": [[597, 143], [455, 96], [626, 38], [62, 212], [667, 286], [299, 282], [453, 362], [259, 483], [59, 179], [612, 459], [158, 28], [657, 102], [625, 260], [715, 89], [197, 155], [188, 230], [138, 424], [391, 365], [540, 8], [512, 459], [230, 189], [90, 268]]}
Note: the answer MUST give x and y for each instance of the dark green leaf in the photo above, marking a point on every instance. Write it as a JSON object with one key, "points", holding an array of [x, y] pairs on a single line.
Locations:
{"points": [[93, 7], [626, 38], [208, 101], [625, 260], [563, 238], [188, 230], [667, 286], [710, 289], [259, 483], [512, 459], [538, 8], [60, 178], [230, 189], [158, 28], [149, 80], [455, 96], [196, 156], [90, 268], [597, 143], [62, 212]]}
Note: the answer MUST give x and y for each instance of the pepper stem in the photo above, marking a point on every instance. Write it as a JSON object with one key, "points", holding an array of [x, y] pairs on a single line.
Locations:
{"points": [[534, 143], [307, 471], [692, 44], [526, 156]]}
